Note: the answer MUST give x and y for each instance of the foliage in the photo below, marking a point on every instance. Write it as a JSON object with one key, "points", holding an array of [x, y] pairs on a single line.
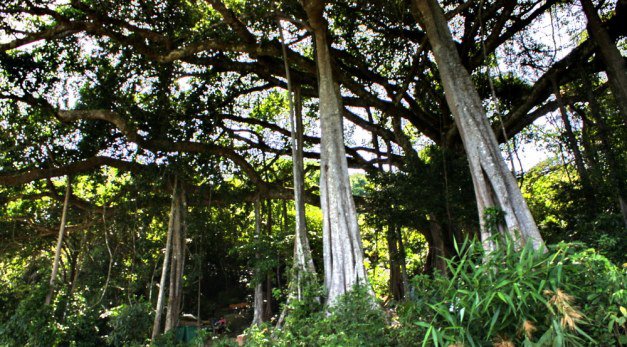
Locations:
{"points": [[525, 297], [169, 340], [67, 321], [32, 323], [355, 320], [130, 324]]}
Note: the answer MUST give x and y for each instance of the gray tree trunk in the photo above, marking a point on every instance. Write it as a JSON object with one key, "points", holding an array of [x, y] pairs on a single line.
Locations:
{"points": [[258, 296], [611, 56], [342, 246], [495, 186], [178, 262], [156, 326], [57, 252]]}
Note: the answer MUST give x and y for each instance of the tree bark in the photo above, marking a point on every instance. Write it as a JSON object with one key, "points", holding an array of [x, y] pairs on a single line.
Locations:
{"points": [[611, 56], [156, 326], [178, 262], [495, 186], [57, 253], [342, 246], [258, 296]]}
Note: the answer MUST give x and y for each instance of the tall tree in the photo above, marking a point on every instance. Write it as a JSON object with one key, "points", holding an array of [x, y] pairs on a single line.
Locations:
{"points": [[495, 186], [303, 261], [342, 246]]}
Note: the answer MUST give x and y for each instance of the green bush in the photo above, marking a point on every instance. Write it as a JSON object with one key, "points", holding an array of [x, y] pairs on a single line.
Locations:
{"points": [[355, 320], [526, 297], [169, 339], [68, 321], [32, 323], [130, 324]]}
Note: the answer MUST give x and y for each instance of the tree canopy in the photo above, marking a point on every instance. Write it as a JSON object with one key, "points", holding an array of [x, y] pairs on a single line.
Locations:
{"points": [[194, 124]]}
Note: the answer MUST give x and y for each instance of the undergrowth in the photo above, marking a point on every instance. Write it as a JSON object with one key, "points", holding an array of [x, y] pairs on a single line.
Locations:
{"points": [[568, 296]]}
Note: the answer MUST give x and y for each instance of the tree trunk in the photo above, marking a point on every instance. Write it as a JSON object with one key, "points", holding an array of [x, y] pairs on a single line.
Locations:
{"points": [[156, 326], [258, 296], [267, 301], [495, 186], [611, 56], [437, 249], [303, 261], [396, 280], [178, 262], [57, 252], [402, 256], [574, 147], [342, 246]]}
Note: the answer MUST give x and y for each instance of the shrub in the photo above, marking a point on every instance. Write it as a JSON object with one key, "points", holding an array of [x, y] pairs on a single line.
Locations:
{"points": [[130, 324], [522, 297], [32, 323], [355, 320]]}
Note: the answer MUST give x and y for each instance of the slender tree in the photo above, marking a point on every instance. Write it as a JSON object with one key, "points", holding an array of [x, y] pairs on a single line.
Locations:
{"points": [[156, 327], [258, 296], [303, 261], [571, 141], [495, 186]]}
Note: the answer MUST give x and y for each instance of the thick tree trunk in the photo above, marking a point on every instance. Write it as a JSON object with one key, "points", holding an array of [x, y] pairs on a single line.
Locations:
{"points": [[574, 147], [611, 56], [342, 246], [495, 186], [156, 326], [178, 262], [57, 252], [258, 296]]}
